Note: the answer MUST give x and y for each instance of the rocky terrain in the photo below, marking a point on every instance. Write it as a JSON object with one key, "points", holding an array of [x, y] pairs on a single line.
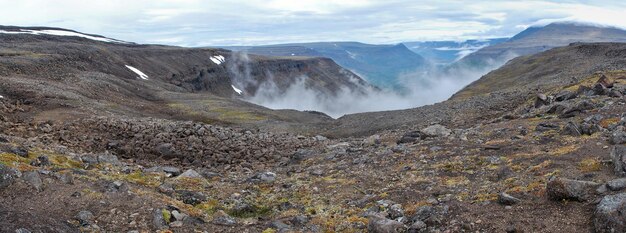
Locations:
{"points": [[86, 146]]}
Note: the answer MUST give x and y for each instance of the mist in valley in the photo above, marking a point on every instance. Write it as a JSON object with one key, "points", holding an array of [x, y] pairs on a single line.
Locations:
{"points": [[421, 87]]}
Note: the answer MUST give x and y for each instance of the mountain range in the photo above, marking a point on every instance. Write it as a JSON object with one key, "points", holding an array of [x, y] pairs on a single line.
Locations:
{"points": [[541, 38], [447, 52]]}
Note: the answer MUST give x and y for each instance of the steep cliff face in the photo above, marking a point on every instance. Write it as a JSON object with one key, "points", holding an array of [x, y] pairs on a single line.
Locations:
{"points": [[95, 76]]}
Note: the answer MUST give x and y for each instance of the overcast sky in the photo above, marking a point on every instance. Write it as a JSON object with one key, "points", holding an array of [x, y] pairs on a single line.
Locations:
{"points": [[254, 22]]}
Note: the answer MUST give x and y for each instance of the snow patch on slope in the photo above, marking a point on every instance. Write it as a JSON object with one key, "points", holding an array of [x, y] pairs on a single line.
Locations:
{"points": [[219, 59], [138, 72], [236, 89], [62, 33]]}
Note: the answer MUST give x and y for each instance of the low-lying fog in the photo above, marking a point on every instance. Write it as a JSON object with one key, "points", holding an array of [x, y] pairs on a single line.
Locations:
{"points": [[422, 87]]}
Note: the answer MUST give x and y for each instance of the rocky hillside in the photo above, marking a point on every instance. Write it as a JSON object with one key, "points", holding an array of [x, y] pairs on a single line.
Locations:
{"points": [[537, 39], [68, 73], [89, 148], [556, 67], [380, 65]]}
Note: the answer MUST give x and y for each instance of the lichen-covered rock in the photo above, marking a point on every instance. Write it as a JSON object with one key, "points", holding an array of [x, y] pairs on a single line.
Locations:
{"points": [[609, 215]]}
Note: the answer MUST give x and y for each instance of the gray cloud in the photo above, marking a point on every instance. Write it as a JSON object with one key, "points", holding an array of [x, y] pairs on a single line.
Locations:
{"points": [[253, 22]]}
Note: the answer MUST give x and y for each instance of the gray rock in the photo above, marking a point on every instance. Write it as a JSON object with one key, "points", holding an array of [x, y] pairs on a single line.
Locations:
{"points": [[417, 226], [436, 131], [178, 215], [379, 224], [422, 213], [565, 95], [565, 189], [618, 155], [166, 150], [410, 137], [166, 188], [609, 217], [224, 220], [158, 221], [33, 178], [618, 137], [279, 225], [590, 128], [89, 159], [85, 218], [320, 138], [506, 199], [302, 154], [20, 151], [174, 171], [191, 197], [192, 221], [577, 109], [109, 158], [541, 100], [547, 126], [206, 173], [40, 161], [266, 177], [395, 211], [616, 184], [7, 176], [299, 220], [572, 129], [615, 94], [176, 224], [190, 174], [22, 230], [65, 177], [171, 171]]}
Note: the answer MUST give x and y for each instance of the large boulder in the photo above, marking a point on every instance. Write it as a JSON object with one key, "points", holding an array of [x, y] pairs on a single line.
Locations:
{"points": [[565, 189], [618, 155], [7, 176], [609, 215], [617, 137], [33, 179], [436, 131]]}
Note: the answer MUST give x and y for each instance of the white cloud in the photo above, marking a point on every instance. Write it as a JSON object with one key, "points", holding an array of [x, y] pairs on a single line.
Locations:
{"points": [[223, 22]]}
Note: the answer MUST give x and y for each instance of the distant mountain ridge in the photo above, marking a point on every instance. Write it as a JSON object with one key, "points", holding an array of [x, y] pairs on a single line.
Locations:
{"points": [[446, 52], [381, 65], [538, 39]]}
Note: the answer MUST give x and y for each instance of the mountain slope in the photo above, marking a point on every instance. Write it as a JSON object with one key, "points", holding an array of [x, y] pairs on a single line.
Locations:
{"points": [[380, 65], [76, 75], [556, 67], [538, 39]]}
